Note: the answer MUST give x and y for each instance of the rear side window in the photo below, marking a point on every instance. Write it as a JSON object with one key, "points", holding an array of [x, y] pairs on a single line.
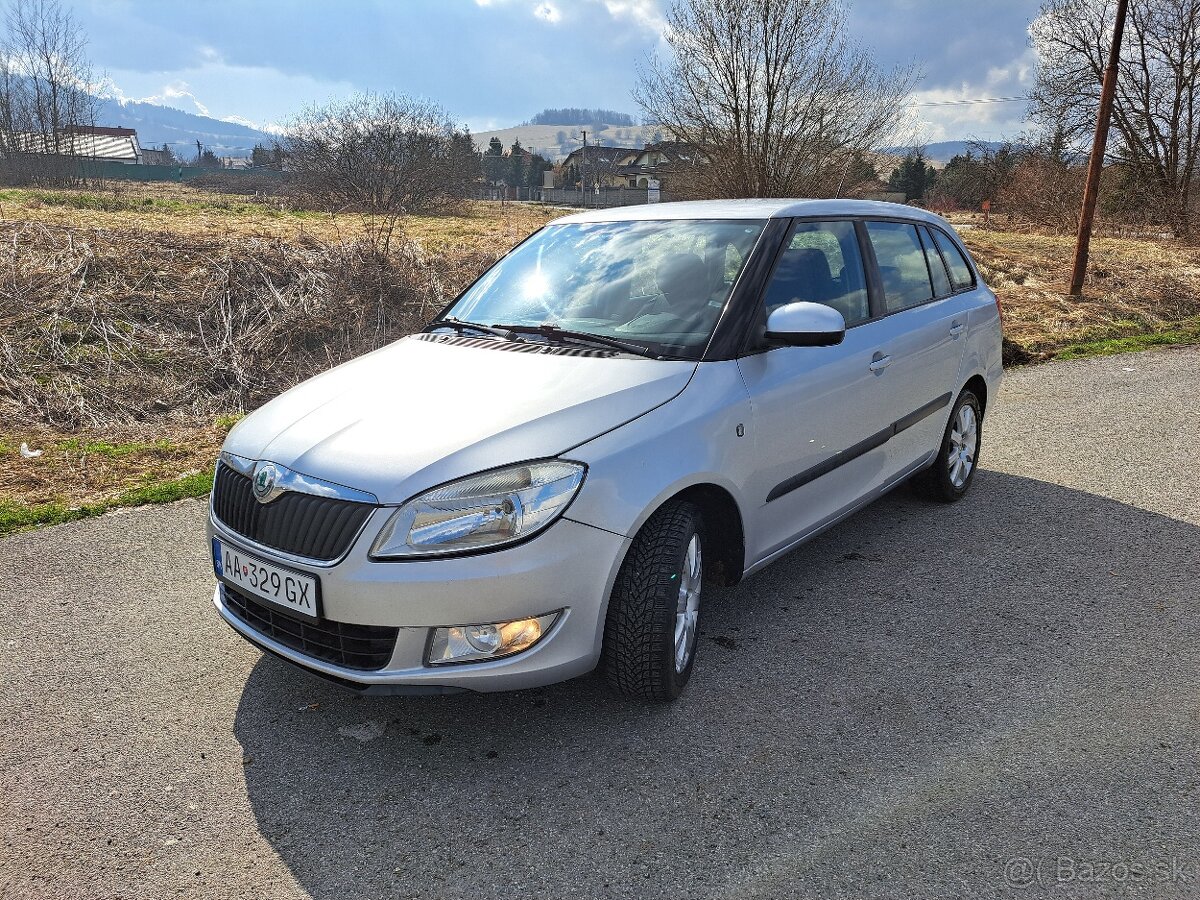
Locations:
{"points": [[902, 265], [937, 268], [821, 264], [960, 272]]}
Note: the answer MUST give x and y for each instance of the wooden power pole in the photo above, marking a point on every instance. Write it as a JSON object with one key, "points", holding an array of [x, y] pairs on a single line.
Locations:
{"points": [[1096, 161]]}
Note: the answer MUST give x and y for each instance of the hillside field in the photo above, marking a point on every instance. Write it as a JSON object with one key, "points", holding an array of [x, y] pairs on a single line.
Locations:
{"points": [[141, 322]]}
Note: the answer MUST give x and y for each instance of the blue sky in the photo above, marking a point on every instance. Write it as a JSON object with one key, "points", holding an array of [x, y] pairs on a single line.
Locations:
{"points": [[494, 63]]}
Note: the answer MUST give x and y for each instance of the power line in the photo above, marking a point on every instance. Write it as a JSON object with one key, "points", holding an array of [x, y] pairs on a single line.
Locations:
{"points": [[971, 101]]}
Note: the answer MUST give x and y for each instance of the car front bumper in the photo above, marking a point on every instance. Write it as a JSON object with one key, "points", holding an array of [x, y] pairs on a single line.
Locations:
{"points": [[569, 568]]}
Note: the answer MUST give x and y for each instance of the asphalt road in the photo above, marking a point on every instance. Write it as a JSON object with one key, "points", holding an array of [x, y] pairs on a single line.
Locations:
{"points": [[926, 701]]}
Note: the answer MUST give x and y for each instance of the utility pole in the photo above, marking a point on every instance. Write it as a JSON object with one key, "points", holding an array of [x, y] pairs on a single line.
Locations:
{"points": [[583, 171], [1096, 161]]}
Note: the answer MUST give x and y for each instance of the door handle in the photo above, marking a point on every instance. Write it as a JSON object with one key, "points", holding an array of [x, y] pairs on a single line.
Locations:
{"points": [[879, 363], [957, 328]]}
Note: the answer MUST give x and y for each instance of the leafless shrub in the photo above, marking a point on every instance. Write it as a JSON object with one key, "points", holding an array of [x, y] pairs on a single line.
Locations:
{"points": [[384, 155], [1042, 192], [107, 327]]}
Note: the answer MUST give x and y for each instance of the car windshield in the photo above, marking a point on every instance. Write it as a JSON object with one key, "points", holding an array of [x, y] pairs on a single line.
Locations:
{"points": [[660, 285]]}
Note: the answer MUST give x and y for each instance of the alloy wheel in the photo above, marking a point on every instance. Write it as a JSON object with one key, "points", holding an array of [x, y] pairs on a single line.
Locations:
{"points": [[687, 611], [964, 444]]}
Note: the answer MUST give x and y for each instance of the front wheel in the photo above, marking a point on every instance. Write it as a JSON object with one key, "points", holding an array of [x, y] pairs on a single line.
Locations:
{"points": [[654, 612], [951, 474]]}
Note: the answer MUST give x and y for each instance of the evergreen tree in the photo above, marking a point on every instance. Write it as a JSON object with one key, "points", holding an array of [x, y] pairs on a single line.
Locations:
{"points": [[516, 165], [260, 157], [493, 162], [536, 166], [913, 176], [860, 174]]}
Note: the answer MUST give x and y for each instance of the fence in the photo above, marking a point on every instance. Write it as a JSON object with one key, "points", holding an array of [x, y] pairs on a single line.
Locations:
{"points": [[104, 170], [605, 197]]}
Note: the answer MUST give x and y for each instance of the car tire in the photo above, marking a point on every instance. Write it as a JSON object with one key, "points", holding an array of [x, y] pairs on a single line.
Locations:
{"points": [[656, 595], [949, 477]]}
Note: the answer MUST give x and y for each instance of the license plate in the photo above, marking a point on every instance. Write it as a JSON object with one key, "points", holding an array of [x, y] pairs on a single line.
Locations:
{"points": [[292, 590]]}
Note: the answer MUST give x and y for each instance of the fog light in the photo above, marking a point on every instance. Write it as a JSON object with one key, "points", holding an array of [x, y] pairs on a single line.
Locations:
{"points": [[474, 643], [484, 638]]}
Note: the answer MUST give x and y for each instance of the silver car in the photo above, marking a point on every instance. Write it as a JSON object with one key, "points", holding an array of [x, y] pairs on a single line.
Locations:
{"points": [[632, 404]]}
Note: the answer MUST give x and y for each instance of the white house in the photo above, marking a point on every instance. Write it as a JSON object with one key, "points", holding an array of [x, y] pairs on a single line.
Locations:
{"points": [[119, 145]]}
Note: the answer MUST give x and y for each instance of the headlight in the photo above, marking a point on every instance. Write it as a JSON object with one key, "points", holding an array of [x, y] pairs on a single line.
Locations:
{"points": [[483, 511]]}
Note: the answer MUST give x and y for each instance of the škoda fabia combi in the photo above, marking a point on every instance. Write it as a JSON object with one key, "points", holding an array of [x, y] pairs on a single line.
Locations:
{"points": [[629, 406]]}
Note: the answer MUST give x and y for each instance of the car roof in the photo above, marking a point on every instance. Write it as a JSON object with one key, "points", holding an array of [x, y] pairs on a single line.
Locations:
{"points": [[750, 209]]}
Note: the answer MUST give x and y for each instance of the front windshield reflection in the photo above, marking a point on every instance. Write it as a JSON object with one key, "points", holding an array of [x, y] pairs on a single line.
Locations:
{"points": [[657, 284]]}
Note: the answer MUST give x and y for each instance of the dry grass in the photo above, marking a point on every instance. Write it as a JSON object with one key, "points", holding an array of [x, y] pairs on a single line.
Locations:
{"points": [[108, 327], [139, 320], [193, 212], [1133, 286]]}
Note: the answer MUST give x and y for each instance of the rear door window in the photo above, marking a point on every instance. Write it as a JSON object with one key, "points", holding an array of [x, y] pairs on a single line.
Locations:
{"points": [[960, 272], [821, 264], [937, 268], [902, 267]]}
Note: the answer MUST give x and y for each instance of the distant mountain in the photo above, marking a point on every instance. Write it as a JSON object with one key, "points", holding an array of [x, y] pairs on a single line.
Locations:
{"points": [[943, 151], [158, 125]]}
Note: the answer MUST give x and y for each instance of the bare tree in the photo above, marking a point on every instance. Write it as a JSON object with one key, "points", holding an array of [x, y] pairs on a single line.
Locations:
{"points": [[1156, 112], [771, 94], [381, 154], [46, 102]]}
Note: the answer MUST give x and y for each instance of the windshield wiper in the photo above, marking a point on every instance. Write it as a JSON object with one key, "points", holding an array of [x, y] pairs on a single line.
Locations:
{"points": [[580, 337], [460, 326]]}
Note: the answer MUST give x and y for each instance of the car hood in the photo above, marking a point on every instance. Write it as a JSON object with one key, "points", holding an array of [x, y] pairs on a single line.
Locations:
{"points": [[423, 411]]}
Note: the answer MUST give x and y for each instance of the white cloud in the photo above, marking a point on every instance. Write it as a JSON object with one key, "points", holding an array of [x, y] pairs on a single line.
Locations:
{"points": [[646, 14], [547, 12], [938, 114], [170, 94]]}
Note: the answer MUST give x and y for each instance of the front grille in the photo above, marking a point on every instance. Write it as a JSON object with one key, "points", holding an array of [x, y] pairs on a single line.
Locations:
{"points": [[363, 647], [301, 524]]}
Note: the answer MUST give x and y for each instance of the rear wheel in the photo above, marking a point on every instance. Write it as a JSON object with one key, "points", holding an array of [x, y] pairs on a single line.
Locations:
{"points": [[654, 612], [951, 474]]}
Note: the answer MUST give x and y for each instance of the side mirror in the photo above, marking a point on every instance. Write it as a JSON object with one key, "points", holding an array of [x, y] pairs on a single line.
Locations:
{"points": [[804, 324]]}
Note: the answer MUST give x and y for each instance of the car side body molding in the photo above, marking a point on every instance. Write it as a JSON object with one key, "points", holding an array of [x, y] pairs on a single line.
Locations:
{"points": [[865, 446]]}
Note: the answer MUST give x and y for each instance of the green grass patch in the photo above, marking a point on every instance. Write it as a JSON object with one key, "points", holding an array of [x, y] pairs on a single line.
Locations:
{"points": [[116, 451], [120, 201], [16, 517], [1189, 333], [226, 422]]}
